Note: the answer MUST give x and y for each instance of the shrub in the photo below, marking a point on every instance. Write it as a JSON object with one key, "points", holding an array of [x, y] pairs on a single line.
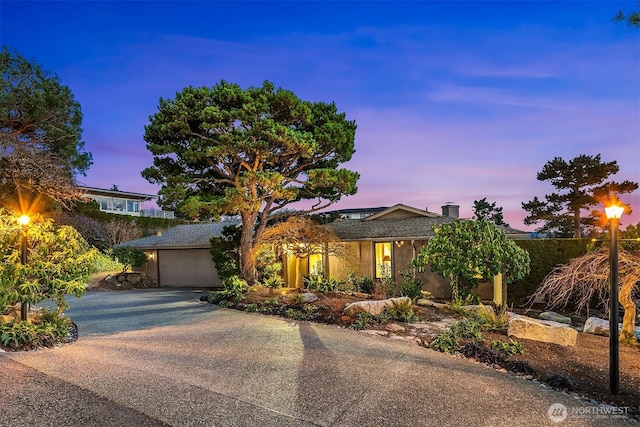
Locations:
{"points": [[104, 262], [492, 319], [365, 284], [446, 342], [251, 308], [411, 286], [509, 348], [361, 321], [235, 287], [403, 311], [129, 256]]}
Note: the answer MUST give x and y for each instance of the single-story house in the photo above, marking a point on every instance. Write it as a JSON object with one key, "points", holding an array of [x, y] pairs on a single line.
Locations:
{"points": [[391, 237]]}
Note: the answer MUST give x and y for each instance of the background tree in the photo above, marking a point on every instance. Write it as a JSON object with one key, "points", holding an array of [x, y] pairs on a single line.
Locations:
{"points": [[59, 262], [129, 257], [489, 211], [225, 150], [40, 145], [469, 251], [631, 18], [581, 185]]}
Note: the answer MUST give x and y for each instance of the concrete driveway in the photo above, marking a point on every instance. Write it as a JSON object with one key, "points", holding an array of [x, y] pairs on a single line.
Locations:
{"points": [[160, 357]]}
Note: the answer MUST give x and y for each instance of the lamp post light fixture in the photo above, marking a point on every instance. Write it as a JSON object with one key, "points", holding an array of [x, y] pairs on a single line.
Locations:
{"points": [[613, 214], [24, 221]]}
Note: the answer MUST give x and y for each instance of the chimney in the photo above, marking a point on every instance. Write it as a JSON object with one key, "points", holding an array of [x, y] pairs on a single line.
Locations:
{"points": [[450, 210]]}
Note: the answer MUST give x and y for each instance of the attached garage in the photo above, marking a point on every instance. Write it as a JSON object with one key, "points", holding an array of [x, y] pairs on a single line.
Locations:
{"points": [[186, 268], [179, 256]]}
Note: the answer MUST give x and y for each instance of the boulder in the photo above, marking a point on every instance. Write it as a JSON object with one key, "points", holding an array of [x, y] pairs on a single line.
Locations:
{"points": [[596, 326], [373, 307], [555, 317], [430, 303], [542, 330]]}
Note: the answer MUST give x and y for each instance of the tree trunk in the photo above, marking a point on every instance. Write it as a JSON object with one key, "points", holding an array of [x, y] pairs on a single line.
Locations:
{"points": [[298, 278], [247, 261], [629, 320]]}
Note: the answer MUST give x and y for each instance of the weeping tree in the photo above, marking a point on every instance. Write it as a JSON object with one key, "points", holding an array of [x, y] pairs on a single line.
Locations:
{"points": [[585, 281], [302, 237]]}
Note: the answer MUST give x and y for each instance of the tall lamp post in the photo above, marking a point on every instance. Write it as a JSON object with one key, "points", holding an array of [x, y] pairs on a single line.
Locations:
{"points": [[24, 221], [613, 214]]}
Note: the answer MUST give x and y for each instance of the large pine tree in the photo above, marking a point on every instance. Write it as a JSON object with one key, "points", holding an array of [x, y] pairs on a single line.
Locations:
{"points": [[581, 184]]}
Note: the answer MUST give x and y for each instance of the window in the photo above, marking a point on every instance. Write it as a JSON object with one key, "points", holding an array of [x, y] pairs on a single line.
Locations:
{"points": [[133, 206], [383, 259]]}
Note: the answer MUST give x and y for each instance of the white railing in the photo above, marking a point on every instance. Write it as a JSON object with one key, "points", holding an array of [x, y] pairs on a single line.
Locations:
{"points": [[157, 213]]}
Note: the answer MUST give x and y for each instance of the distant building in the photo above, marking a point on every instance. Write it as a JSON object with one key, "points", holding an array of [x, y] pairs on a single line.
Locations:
{"points": [[124, 202]]}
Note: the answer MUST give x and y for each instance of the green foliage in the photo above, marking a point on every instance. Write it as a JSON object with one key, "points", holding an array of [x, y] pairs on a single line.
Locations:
{"points": [[295, 299], [225, 252], [509, 348], [468, 328], [322, 284], [469, 251], [546, 254], [365, 284], [411, 286], [50, 329], [251, 308], [104, 262], [217, 297], [403, 311], [227, 150], [361, 321], [580, 185], [269, 268], [271, 305], [631, 236], [631, 18], [59, 262], [128, 256], [36, 108], [489, 211], [235, 287], [446, 342], [492, 319], [307, 313]]}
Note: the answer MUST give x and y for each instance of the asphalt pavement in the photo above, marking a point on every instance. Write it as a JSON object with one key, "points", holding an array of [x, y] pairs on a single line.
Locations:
{"points": [[160, 357]]}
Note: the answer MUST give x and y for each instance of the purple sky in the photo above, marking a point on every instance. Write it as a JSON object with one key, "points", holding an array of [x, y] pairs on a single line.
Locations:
{"points": [[454, 101]]}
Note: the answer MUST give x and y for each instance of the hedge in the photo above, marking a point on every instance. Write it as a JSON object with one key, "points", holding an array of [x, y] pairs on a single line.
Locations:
{"points": [[545, 255]]}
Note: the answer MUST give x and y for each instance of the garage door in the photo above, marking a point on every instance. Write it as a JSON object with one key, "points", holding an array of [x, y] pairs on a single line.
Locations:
{"points": [[186, 268]]}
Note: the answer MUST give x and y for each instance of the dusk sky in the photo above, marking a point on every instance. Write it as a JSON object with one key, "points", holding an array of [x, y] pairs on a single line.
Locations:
{"points": [[454, 101]]}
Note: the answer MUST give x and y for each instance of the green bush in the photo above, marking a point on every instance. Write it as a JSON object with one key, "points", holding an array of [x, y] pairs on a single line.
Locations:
{"points": [[104, 262], [129, 256], [361, 321], [509, 348], [365, 284], [411, 286], [402, 311], [235, 287], [49, 330]]}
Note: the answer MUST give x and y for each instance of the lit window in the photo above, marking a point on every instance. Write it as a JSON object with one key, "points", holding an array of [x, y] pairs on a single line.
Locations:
{"points": [[383, 259]]}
